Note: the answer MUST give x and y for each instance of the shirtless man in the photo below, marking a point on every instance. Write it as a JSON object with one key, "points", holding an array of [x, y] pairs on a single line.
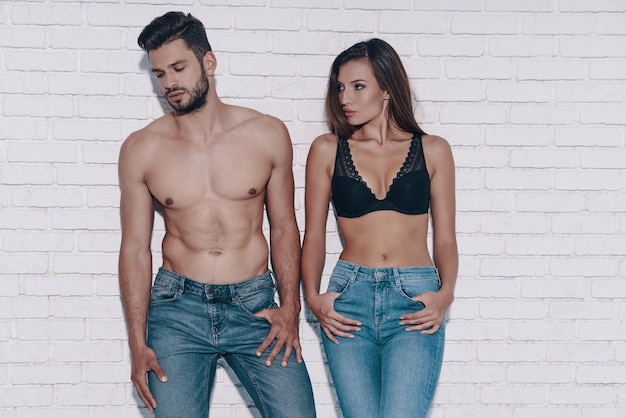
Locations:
{"points": [[211, 168]]}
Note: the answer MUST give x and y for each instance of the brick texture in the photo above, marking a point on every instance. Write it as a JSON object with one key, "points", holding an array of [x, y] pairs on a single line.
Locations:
{"points": [[530, 94]]}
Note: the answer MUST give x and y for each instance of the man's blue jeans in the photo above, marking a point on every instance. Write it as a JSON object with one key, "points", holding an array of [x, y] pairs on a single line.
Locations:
{"points": [[191, 325], [384, 371]]}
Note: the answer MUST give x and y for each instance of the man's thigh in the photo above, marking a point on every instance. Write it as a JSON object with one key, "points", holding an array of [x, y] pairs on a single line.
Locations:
{"points": [[188, 388], [180, 333], [277, 391]]}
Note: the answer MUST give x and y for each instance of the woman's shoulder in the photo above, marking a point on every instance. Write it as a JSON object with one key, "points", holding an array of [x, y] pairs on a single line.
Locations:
{"points": [[325, 142], [327, 138], [437, 152], [324, 146], [435, 144]]}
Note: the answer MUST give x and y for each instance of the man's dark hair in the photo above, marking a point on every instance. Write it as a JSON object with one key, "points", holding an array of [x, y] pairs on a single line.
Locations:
{"points": [[172, 26]]}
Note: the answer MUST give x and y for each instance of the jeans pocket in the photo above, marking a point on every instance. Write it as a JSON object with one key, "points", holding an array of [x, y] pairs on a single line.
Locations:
{"points": [[410, 288], [255, 301], [338, 284], [163, 293]]}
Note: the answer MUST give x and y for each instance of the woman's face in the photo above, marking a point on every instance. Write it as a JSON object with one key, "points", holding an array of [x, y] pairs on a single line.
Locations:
{"points": [[360, 96]]}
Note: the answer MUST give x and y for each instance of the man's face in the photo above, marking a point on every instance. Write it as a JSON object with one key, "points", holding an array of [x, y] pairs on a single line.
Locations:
{"points": [[180, 76]]}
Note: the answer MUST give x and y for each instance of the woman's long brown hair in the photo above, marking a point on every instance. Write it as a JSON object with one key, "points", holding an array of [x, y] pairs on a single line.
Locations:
{"points": [[391, 77]]}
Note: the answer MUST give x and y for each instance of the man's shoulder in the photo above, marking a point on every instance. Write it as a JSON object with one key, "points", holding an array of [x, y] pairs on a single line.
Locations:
{"points": [[141, 140], [260, 123], [157, 128]]}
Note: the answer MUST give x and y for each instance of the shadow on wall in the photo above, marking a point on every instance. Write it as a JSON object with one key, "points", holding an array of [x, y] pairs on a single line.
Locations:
{"points": [[145, 67]]}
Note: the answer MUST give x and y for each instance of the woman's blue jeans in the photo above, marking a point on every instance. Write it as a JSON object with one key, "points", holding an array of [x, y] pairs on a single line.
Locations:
{"points": [[384, 371], [191, 325]]}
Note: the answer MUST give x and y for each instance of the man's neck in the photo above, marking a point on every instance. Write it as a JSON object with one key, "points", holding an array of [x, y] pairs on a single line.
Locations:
{"points": [[208, 120]]}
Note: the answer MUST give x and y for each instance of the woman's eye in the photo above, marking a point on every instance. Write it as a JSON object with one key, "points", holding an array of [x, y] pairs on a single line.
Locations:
{"points": [[359, 86]]}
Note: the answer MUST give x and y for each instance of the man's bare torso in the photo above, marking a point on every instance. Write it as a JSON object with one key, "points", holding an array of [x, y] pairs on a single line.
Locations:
{"points": [[212, 194]]}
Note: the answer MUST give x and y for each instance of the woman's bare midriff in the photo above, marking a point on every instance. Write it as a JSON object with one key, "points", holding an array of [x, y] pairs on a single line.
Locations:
{"points": [[386, 239]]}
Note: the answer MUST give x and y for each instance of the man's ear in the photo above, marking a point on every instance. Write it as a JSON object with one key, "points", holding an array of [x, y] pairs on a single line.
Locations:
{"points": [[210, 63]]}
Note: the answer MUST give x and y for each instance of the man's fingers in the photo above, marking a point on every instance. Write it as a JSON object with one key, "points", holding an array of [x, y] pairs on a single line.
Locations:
{"points": [[262, 314], [286, 355], [283, 333], [298, 348], [143, 390], [266, 343], [274, 353], [149, 402], [159, 373], [141, 386]]}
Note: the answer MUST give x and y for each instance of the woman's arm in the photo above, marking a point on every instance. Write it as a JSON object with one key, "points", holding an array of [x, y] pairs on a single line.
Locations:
{"points": [[317, 197], [440, 165]]}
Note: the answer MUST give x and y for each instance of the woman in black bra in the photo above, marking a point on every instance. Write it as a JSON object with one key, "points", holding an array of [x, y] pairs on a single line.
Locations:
{"points": [[383, 314]]}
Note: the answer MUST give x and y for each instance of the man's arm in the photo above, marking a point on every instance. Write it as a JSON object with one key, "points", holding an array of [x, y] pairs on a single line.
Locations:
{"points": [[135, 266], [284, 250]]}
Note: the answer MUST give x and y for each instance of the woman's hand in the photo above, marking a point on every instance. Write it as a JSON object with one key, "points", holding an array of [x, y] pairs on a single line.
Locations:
{"points": [[333, 323], [429, 319]]}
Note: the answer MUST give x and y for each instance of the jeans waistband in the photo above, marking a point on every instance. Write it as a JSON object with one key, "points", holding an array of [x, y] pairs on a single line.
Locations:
{"points": [[215, 292], [385, 273]]}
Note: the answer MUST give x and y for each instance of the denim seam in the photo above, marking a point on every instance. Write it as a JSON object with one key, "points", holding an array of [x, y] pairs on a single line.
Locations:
{"points": [[435, 376], [207, 387], [264, 412], [354, 273]]}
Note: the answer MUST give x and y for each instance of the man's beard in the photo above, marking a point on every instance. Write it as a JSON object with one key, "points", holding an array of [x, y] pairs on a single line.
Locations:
{"points": [[197, 95]]}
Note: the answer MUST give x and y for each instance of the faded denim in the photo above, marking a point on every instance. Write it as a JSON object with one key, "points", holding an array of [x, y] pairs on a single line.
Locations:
{"points": [[384, 371], [191, 325]]}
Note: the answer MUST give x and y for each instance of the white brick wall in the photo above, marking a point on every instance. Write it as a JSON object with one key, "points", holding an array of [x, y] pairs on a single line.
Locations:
{"points": [[531, 95]]}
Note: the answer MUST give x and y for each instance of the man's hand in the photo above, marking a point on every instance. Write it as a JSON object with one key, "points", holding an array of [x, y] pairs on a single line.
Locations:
{"points": [[429, 319], [284, 330], [144, 360], [333, 323]]}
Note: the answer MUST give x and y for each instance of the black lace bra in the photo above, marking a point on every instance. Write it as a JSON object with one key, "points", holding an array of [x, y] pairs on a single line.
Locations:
{"points": [[409, 192]]}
